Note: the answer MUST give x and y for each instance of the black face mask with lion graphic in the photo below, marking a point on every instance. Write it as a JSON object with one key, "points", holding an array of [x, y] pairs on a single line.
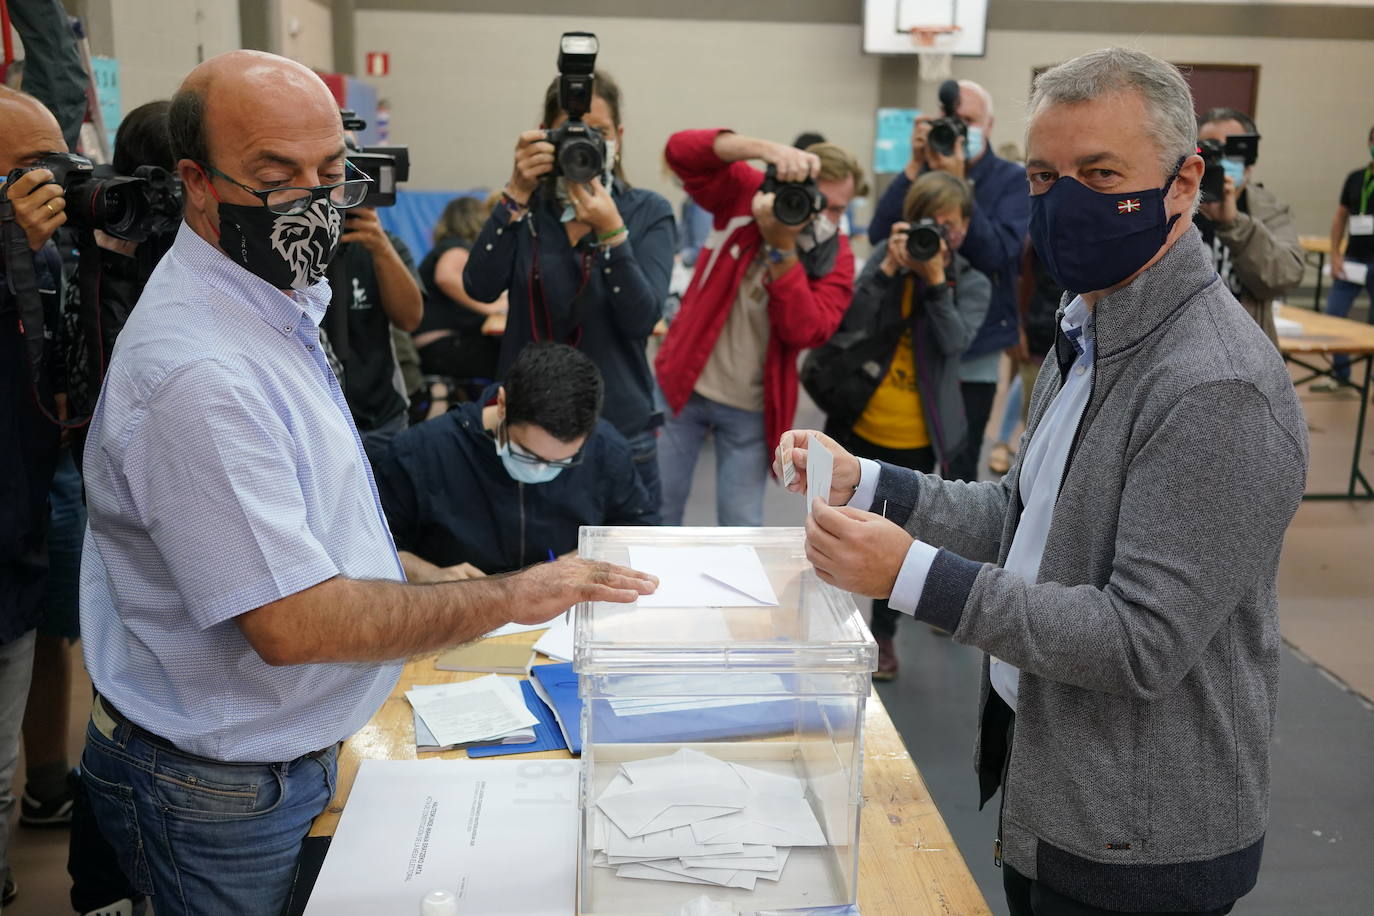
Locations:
{"points": [[290, 252]]}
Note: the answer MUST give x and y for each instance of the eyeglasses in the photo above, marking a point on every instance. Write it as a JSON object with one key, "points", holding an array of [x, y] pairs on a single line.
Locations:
{"points": [[519, 453], [290, 201]]}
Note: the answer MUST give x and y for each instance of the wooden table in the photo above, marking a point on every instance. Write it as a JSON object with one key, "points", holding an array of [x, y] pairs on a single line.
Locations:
{"points": [[1320, 245], [908, 863], [1325, 335]]}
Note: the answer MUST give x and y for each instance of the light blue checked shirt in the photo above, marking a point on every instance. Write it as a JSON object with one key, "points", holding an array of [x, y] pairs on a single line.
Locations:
{"points": [[223, 472]]}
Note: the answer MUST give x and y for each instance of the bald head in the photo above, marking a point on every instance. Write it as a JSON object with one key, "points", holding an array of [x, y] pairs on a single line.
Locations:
{"points": [[975, 105], [27, 130], [247, 119], [247, 91]]}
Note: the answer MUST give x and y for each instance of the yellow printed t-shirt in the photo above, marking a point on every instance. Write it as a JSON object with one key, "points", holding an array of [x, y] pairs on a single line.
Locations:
{"points": [[893, 417]]}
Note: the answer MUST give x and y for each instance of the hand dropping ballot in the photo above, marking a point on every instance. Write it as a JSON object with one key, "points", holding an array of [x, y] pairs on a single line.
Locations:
{"points": [[820, 468]]}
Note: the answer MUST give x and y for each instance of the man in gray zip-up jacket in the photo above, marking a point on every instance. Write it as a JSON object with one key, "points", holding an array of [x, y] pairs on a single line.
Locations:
{"points": [[1144, 631]]}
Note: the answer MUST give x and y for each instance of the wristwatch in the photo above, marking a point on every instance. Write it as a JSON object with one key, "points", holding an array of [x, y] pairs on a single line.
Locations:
{"points": [[778, 255]]}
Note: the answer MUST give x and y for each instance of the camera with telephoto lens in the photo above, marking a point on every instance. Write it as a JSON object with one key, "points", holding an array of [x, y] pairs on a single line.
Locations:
{"points": [[131, 207], [387, 166], [579, 150], [794, 202], [923, 239], [945, 133]]}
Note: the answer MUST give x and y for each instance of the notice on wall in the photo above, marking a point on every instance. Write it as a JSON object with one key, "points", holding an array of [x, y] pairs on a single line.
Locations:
{"points": [[892, 142]]}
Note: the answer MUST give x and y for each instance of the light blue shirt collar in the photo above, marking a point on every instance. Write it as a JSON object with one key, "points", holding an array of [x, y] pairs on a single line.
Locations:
{"points": [[280, 310]]}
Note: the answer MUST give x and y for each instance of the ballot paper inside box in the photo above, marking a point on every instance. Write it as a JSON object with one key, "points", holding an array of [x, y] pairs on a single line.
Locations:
{"points": [[722, 726]]}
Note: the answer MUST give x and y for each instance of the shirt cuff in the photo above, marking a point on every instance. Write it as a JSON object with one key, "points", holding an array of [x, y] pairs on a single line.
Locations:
{"points": [[868, 485], [911, 579]]}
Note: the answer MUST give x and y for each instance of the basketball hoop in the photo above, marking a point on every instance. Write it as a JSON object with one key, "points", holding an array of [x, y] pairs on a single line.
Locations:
{"points": [[936, 65]]}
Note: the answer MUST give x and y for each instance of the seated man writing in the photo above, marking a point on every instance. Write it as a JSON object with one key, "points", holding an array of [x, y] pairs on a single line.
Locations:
{"points": [[491, 489]]}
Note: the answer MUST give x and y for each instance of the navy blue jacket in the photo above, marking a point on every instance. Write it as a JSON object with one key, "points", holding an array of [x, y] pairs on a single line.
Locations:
{"points": [[28, 457], [1001, 214], [625, 288], [448, 498]]}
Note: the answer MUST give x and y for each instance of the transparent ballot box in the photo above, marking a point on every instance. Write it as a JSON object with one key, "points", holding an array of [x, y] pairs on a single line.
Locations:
{"points": [[722, 726]]}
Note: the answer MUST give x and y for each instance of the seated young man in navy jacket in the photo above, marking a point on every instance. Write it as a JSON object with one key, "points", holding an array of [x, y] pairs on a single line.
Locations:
{"points": [[493, 486]]}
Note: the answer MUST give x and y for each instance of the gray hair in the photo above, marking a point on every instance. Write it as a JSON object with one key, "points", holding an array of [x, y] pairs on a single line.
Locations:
{"points": [[1168, 101]]}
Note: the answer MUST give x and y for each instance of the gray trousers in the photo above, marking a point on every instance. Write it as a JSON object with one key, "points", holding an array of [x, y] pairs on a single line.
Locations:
{"points": [[16, 670]]}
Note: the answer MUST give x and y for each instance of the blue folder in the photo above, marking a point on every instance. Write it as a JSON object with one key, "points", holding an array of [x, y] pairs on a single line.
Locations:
{"points": [[560, 685], [766, 717], [547, 737]]}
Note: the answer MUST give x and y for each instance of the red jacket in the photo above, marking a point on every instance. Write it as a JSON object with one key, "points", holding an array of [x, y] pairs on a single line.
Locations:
{"points": [[802, 313]]}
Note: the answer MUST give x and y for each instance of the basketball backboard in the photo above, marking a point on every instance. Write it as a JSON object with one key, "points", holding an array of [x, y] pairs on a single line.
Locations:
{"points": [[956, 27]]}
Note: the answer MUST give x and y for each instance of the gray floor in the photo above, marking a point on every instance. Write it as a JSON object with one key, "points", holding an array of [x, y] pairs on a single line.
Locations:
{"points": [[1322, 804]]}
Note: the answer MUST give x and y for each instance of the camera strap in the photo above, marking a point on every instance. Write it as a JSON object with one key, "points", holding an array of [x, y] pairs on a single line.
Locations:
{"points": [[21, 277], [539, 306]]}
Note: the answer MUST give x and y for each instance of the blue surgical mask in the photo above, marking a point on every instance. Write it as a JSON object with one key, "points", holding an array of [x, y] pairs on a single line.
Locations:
{"points": [[974, 143], [1089, 240], [1234, 166], [527, 471]]}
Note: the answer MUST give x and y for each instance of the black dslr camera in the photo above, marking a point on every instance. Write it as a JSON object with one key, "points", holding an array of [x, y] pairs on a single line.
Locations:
{"points": [[945, 133], [387, 166], [132, 207], [579, 150], [794, 202], [923, 239], [1213, 175], [1237, 146]]}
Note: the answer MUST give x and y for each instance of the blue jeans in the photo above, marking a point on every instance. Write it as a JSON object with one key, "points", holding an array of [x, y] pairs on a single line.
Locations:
{"points": [[1338, 302], [742, 458], [203, 838]]}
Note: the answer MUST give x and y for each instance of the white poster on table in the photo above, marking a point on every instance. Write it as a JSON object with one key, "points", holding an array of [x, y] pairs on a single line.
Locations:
{"points": [[467, 826]]}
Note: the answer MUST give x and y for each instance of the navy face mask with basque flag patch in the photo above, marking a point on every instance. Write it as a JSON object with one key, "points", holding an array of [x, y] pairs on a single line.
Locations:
{"points": [[1089, 240]]}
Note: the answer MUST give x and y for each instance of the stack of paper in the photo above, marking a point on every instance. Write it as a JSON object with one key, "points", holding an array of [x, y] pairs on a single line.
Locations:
{"points": [[691, 818], [487, 709]]}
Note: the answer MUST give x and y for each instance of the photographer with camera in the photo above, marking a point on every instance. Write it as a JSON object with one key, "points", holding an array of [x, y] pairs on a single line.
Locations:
{"points": [[915, 310], [959, 142], [584, 258], [374, 286], [33, 395], [1251, 235], [774, 278]]}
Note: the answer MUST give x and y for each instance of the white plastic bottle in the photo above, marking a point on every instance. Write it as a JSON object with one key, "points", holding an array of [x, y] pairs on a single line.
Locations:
{"points": [[439, 903]]}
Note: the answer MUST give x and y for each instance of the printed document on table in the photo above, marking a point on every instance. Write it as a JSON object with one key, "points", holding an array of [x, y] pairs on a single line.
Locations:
{"points": [[500, 834], [725, 576], [470, 710]]}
